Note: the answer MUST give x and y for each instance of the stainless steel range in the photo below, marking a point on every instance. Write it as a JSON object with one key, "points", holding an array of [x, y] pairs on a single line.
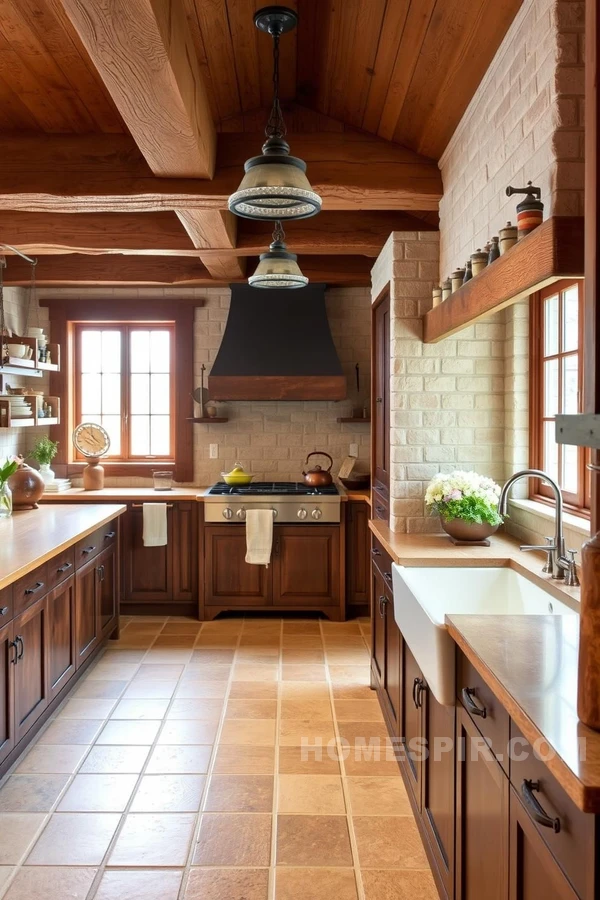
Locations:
{"points": [[290, 501]]}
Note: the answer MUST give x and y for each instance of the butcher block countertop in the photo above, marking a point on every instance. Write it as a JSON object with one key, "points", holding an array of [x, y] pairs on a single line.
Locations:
{"points": [[30, 537], [149, 495], [530, 663]]}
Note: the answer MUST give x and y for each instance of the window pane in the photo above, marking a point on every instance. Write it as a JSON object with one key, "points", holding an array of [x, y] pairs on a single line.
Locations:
{"points": [[91, 395], [570, 375], [140, 394], [571, 319], [112, 424], [140, 435], [140, 351], [551, 387], [159, 351], [159, 394], [111, 351], [91, 344], [159, 435], [569, 477], [551, 325], [111, 395], [550, 450]]}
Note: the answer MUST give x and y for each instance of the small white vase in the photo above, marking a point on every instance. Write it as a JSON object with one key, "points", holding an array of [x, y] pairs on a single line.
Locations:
{"points": [[47, 473], [6, 505]]}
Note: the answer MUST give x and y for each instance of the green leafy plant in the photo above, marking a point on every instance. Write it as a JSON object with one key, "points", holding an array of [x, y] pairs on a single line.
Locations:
{"points": [[44, 451], [9, 467], [464, 495]]}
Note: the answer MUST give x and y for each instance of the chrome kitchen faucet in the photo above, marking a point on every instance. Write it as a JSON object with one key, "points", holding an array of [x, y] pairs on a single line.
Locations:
{"points": [[558, 564]]}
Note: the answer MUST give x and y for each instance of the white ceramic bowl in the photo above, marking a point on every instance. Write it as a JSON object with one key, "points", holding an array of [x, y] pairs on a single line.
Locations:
{"points": [[17, 351]]}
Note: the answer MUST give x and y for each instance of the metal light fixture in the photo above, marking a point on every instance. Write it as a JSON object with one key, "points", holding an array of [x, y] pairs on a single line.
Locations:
{"points": [[275, 185], [278, 268]]}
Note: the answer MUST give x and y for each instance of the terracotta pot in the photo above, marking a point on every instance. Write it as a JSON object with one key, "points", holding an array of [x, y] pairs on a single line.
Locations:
{"points": [[468, 531], [27, 486]]}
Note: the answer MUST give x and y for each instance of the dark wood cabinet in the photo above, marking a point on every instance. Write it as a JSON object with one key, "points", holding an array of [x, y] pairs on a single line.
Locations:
{"points": [[411, 724], [386, 640], [377, 629], [380, 407], [31, 668], [438, 797], [108, 591], [306, 566], [481, 817], [87, 621], [229, 581], [534, 872], [62, 657], [357, 558], [8, 655]]}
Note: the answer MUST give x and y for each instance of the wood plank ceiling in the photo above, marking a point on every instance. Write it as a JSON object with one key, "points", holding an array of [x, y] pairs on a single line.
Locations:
{"points": [[129, 91]]}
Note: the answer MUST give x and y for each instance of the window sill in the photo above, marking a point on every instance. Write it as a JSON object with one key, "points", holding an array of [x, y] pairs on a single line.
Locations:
{"points": [[576, 523], [118, 469]]}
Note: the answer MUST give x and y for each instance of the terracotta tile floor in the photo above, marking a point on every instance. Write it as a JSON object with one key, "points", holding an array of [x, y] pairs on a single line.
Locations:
{"points": [[178, 770]]}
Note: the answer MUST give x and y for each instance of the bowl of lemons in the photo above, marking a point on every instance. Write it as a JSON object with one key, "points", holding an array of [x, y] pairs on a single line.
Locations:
{"points": [[238, 475]]}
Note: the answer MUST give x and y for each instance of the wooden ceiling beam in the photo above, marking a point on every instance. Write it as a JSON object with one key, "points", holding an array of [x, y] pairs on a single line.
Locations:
{"points": [[161, 233], [104, 173], [74, 269], [144, 53], [214, 228]]}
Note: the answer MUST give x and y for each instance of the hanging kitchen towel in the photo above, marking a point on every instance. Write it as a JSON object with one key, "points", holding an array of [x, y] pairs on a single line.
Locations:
{"points": [[259, 536], [155, 524]]}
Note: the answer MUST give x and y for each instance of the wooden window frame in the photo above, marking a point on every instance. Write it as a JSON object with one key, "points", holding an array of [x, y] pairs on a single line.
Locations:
{"points": [[578, 504], [65, 315]]}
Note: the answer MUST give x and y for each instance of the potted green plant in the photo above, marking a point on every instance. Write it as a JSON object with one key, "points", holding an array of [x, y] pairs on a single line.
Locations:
{"points": [[467, 504], [8, 468], [44, 452]]}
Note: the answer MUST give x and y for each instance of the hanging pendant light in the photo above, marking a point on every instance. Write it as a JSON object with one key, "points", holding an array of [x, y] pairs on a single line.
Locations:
{"points": [[278, 268], [275, 185]]}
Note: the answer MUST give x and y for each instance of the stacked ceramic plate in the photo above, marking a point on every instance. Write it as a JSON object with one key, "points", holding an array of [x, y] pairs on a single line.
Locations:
{"points": [[20, 408]]}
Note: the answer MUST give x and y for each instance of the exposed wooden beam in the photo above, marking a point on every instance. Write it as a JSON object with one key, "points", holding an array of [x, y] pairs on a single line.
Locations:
{"points": [[161, 233], [81, 270], [104, 173], [144, 52], [214, 228]]}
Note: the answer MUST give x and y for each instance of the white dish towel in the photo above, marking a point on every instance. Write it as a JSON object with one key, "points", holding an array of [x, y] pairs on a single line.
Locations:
{"points": [[259, 536], [155, 524]]}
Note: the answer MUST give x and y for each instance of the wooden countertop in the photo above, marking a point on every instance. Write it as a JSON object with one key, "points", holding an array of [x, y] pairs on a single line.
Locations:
{"points": [[530, 663], [437, 550], [30, 537], [147, 494]]}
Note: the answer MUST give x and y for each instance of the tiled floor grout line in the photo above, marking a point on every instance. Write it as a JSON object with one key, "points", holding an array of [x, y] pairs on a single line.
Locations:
{"points": [[273, 861], [209, 773], [346, 793]]}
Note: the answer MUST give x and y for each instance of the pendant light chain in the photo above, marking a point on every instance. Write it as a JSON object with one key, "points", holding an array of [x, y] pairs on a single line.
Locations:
{"points": [[275, 127], [278, 233]]}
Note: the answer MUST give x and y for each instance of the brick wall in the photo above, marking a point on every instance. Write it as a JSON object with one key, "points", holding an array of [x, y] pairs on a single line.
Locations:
{"points": [[270, 439], [525, 123]]}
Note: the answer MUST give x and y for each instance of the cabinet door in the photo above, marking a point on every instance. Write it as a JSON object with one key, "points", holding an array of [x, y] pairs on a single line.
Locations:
{"points": [[8, 656], [147, 571], [229, 581], [534, 872], [377, 627], [108, 593], [31, 670], [87, 621], [357, 554], [438, 785], [411, 726], [185, 551], [62, 657], [481, 817], [381, 391], [306, 566]]}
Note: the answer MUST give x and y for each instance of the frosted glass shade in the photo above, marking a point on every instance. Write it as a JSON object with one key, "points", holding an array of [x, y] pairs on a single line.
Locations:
{"points": [[275, 188]]}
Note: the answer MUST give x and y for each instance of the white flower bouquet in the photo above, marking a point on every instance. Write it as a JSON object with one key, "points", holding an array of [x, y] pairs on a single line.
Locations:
{"points": [[466, 496]]}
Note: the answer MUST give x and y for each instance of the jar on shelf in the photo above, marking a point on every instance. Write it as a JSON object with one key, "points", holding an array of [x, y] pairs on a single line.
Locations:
{"points": [[530, 211], [446, 289], [468, 272], [508, 237], [436, 295], [478, 261], [494, 249], [457, 279]]}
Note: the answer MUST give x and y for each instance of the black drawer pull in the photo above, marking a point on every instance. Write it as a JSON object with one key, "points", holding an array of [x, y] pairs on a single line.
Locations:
{"points": [[3, 610], [388, 577], [87, 550], [19, 640], [375, 551], [64, 567], [382, 602], [109, 535], [36, 587], [15, 658], [470, 705], [380, 509], [535, 810], [418, 688]]}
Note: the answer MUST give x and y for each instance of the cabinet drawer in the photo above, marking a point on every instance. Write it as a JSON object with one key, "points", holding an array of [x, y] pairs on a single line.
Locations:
{"points": [[381, 507], [30, 588], [61, 567], [492, 721], [382, 559], [89, 547], [6, 605], [573, 844]]}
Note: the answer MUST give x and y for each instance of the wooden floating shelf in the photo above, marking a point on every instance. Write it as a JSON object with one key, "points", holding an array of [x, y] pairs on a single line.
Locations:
{"points": [[360, 419], [7, 421], [552, 252], [16, 365], [207, 420]]}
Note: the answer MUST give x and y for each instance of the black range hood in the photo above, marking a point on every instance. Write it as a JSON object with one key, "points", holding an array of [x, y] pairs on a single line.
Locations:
{"points": [[277, 345]]}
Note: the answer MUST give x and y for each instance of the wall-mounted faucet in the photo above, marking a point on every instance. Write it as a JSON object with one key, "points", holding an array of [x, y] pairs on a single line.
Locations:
{"points": [[558, 564]]}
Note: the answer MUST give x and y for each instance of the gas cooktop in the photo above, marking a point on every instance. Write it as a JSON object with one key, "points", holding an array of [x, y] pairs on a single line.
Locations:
{"points": [[279, 488]]}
